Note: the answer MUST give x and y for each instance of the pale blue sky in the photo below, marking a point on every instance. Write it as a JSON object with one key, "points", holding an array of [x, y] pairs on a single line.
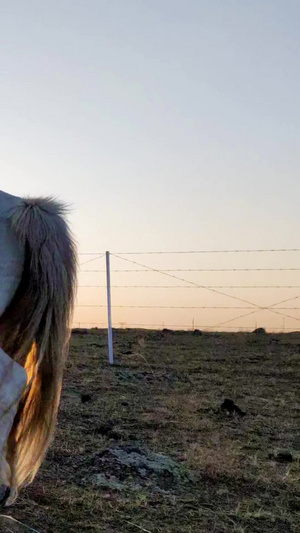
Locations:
{"points": [[166, 124]]}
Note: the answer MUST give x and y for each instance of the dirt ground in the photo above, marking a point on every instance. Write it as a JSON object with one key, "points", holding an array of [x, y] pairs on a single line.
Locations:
{"points": [[163, 395]]}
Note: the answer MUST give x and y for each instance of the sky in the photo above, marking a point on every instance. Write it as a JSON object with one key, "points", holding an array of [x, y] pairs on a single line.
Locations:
{"points": [[166, 125]]}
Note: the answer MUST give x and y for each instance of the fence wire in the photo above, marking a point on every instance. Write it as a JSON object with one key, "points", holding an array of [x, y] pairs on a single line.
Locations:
{"points": [[122, 302]]}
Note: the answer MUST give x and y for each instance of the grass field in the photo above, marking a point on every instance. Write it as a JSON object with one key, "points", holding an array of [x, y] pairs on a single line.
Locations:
{"points": [[165, 393]]}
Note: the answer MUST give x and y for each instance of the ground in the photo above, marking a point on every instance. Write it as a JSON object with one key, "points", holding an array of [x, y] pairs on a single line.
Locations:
{"points": [[163, 396]]}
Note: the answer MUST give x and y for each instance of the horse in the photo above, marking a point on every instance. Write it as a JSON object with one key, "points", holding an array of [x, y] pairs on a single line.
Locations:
{"points": [[37, 285]]}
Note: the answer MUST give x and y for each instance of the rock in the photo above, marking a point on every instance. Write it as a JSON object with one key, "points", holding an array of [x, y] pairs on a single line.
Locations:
{"points": [[131, 467]]}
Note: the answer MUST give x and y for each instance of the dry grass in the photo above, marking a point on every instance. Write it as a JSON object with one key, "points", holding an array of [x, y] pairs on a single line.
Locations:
{"points": [[166, 395]]}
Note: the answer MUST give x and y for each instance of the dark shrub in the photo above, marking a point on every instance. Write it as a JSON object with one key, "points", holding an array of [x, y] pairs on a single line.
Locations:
{"points": [[260, 331]]}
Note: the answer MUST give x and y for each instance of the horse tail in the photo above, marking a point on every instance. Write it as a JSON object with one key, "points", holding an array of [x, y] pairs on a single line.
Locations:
{"points": [[36, 329]]}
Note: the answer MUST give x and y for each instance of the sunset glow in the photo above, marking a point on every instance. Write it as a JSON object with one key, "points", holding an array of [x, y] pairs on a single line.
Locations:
{"points": [[167, 126]]}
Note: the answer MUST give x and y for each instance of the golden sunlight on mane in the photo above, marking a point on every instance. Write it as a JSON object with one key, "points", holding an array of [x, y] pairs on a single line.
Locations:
{"points": [[35, 330]]}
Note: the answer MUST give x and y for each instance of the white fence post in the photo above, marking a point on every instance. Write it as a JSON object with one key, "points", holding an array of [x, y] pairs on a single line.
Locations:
{"points": [[109, 330]]}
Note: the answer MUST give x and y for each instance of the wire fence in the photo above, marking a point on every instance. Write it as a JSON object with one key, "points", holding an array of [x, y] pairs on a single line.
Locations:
{"points": [[221, 290]]}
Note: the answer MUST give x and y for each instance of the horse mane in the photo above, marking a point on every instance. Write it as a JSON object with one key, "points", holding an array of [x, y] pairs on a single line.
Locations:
{"points": [[35, 329]]}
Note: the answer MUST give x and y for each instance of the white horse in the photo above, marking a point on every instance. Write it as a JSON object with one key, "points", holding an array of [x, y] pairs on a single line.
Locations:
{"points": [[37, 281]]}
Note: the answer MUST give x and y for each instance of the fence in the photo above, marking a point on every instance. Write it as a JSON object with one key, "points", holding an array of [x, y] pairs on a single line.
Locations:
{"points": [[228, 290]]}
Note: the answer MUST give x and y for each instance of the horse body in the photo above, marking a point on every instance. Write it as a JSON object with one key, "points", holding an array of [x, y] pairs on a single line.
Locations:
{"points": [[37, 281], [11, 252]]}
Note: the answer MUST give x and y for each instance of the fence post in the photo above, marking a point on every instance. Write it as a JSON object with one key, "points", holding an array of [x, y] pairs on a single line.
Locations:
{"points": [[109, 329]]}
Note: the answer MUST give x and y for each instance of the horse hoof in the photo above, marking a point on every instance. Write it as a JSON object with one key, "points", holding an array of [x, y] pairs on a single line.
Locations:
{"points": [[4, 494]]}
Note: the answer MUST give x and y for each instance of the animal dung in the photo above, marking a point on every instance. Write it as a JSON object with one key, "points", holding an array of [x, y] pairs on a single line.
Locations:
{"points": [[86, 398], [105, 429], [231, 408], [282, 456]]}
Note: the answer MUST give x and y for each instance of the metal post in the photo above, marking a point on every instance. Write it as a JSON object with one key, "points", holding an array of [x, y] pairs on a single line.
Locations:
{"points": [[109, 331]]}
